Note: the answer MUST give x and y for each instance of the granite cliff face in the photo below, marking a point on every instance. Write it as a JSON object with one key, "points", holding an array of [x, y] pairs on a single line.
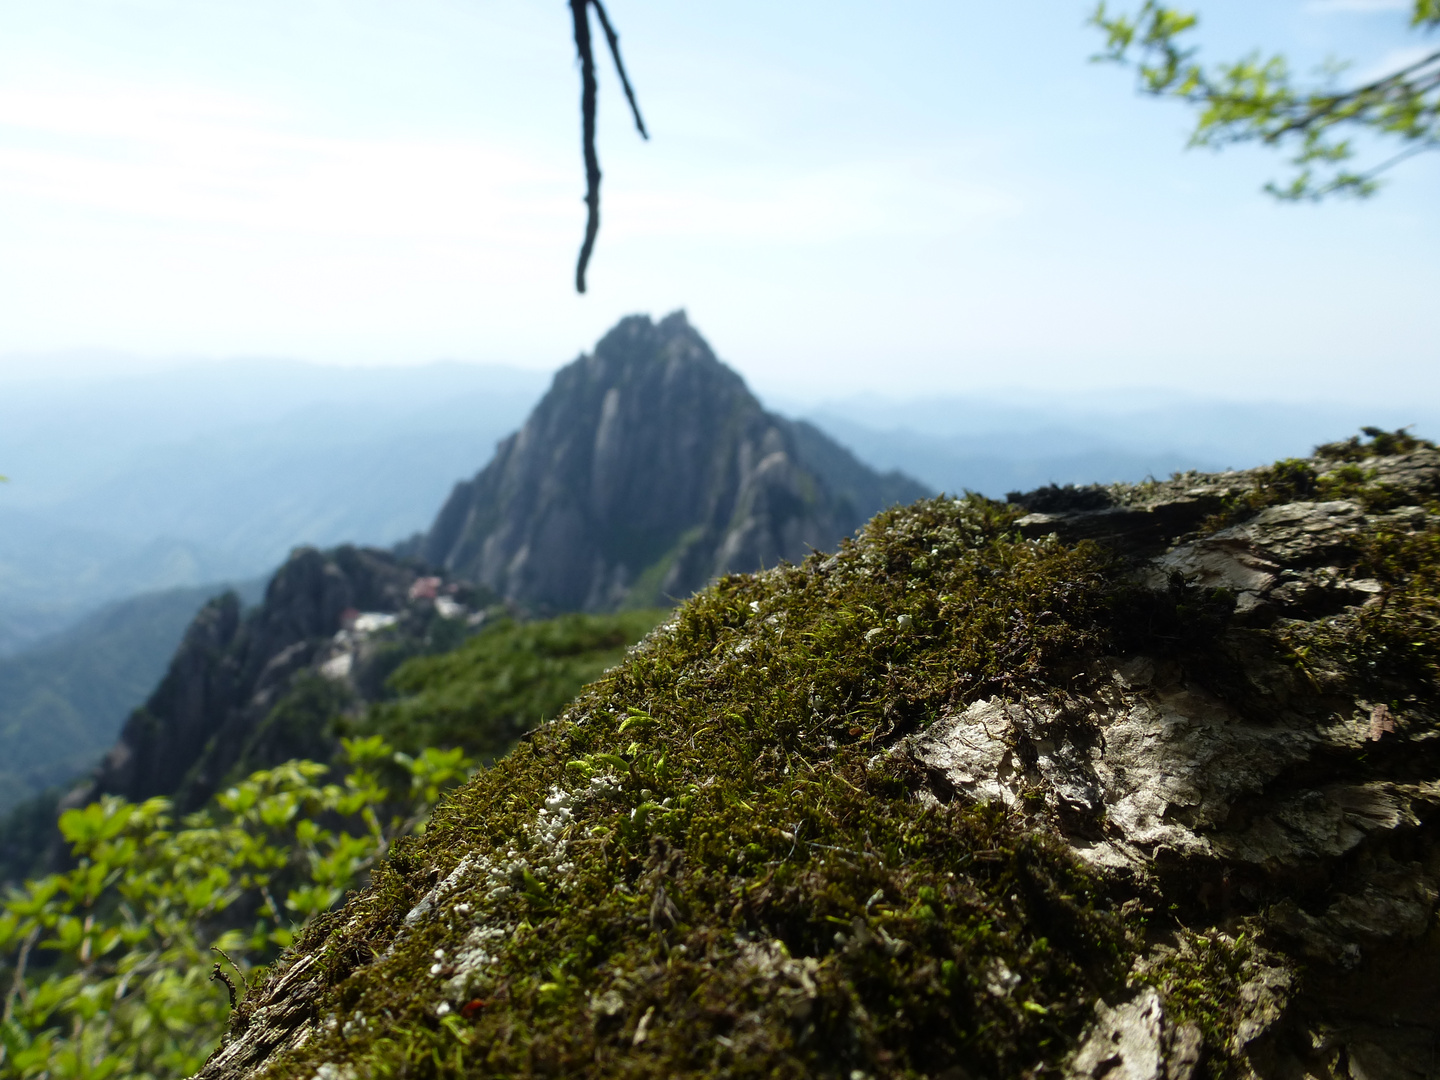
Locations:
{"points": [[648, 470], [1134, 783]]}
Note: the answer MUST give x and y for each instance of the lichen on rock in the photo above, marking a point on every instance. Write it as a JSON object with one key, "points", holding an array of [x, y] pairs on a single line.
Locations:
{"points": [[1127, 782]]}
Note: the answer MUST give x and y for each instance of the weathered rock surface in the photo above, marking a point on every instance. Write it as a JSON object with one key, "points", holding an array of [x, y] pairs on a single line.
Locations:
{"points": [[1135, 1040], [1317, 803], [648, 470], [1266, 792]]}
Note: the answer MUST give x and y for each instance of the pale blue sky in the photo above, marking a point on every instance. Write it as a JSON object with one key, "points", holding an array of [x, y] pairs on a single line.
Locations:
{"points": [[901, 199]]}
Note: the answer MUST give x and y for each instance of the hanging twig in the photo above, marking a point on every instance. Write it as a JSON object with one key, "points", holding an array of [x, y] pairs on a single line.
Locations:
{"points": [[614, 40], [578, 9], [580, 14]]}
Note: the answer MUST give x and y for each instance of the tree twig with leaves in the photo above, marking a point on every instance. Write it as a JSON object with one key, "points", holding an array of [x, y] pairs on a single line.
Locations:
{"points": [[1258, 100]]}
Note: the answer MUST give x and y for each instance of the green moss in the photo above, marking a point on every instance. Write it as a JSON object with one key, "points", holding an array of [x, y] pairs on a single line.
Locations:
{"points": [[1302, 479], [1400, 634], [711, 864], [1393, 641], [1200, 980], [1377, 443], [744, 883]]}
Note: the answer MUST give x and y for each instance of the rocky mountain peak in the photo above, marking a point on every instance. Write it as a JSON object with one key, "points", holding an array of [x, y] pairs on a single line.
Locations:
{"points": [[647, 470]]}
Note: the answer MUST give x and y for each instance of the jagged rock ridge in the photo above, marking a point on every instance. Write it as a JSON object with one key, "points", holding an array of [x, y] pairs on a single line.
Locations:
{"points": [[208, 715], [646, 471]]}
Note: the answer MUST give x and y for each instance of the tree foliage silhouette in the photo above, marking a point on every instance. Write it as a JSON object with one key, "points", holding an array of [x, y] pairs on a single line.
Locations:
{"points": [[1256, 99]]}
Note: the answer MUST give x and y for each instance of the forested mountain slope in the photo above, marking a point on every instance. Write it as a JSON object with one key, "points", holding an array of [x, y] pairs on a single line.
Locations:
{"points": [[1127, 781], [62, 702], [214, 714]]}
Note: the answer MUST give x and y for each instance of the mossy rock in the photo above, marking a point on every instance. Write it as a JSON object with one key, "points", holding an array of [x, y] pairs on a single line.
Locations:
{"points": [[1141, 785]]}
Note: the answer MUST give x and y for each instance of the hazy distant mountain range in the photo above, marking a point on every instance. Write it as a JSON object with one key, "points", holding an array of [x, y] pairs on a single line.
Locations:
{"points": [[124, 485], [999, 443]]}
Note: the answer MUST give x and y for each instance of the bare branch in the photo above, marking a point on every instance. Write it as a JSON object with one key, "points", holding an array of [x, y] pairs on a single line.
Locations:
{"points": [[585, 48], [579, 10], [614, 40], [217, 975]]}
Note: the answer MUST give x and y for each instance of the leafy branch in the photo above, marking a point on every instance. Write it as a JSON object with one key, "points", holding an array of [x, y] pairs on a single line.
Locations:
{"points": [[108, 960], [1256, 99]]}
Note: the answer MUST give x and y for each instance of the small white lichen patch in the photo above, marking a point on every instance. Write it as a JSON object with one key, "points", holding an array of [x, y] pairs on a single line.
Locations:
{"points": [[605, 786], [610, 1003], [1000, 980], [357, 1025], [474, 956], [439, 892], [496, 878]]}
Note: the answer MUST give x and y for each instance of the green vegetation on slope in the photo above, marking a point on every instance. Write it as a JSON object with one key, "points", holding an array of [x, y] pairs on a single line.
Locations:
{"points": [[497, 685], [441, 688]]}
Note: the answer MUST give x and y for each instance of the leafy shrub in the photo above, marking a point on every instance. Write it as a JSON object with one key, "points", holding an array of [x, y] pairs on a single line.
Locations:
{"points": [[111, 961]]}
